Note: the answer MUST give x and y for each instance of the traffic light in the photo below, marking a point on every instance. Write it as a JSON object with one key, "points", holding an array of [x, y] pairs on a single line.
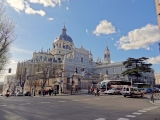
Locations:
{"points": [[9, 70]]}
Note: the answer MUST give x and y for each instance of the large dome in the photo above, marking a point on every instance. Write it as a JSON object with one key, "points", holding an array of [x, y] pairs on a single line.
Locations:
{"points": [[64, 36]]}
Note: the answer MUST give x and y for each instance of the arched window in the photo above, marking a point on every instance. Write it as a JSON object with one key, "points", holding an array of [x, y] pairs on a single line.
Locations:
{"points": [[59, 45], [40, 57], [81, 59], [59, 59]]}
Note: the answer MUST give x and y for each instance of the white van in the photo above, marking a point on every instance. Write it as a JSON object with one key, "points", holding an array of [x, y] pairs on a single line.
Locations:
{"points": [[132, 91]]}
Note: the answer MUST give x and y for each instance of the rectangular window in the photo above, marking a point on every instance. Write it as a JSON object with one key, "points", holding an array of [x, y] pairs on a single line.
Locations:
{"points": [[81, 59], [122, 69], [114, 69]]}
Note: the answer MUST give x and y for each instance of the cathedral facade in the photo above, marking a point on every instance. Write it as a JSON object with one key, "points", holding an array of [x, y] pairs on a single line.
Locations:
{"points": [[78, 69]]}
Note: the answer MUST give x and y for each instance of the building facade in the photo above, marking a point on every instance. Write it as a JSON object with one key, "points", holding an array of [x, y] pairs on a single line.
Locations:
{"points": [[76, 69], [157, 78], [157, 2]]}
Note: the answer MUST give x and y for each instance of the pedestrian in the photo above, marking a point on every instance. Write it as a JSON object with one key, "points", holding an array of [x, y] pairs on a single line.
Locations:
{"points": [[76, 90], [39, 92], [55, 92], [49, 92]]}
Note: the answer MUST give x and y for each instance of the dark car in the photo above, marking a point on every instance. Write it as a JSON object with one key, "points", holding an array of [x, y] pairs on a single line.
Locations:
{"points": [[19, 94], [27, 93], [148, 90]]}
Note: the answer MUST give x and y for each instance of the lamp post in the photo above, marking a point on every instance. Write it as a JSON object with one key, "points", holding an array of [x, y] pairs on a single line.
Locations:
{"points": [[35, 84]]}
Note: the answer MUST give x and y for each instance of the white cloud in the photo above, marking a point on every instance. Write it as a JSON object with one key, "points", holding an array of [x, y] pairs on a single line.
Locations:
{"points": [[29, 10], [154, 60], [139, 38], [15, 49], [104, 27], [47, 3], [86, 30], [50, 18], [12, 61], [67, 8], [18, 5], [112, 61]]}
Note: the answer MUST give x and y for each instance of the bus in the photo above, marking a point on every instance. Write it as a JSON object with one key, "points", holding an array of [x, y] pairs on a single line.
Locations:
{"points": [[109, 84]]}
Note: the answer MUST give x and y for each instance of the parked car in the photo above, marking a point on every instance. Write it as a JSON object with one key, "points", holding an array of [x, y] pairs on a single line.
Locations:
{"points": [[156, 89], [113, 91], [133, 91], [12, 94], [19, 94], [143, 90], [27, 93], [148, 90]]}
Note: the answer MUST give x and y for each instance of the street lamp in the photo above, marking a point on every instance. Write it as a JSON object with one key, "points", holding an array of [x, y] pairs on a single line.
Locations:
{"points": [[35, 84]]}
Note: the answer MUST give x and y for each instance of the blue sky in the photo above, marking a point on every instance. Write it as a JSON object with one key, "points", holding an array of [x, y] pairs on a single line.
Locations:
{"points": [[129, 27]]}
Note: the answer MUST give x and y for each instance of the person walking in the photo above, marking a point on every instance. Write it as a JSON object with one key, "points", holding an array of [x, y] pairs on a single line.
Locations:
{"points": [[55, 92], [39, 92]]}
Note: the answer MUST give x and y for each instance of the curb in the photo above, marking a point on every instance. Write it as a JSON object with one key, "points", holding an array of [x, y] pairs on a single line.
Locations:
{"points": [[154, 103]]}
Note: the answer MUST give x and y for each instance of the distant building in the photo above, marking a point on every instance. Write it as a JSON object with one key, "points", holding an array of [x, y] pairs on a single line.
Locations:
{"points": [[77, 64], [157, 78], [157, 2]]}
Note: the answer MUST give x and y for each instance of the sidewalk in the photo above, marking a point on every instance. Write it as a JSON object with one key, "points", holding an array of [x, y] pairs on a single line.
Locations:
{"points": [[156, 102]]}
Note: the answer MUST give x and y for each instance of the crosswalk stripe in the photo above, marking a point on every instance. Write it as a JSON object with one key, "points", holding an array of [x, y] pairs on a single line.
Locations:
{"points": [[136, 113], [101, 119], [141, 111], [132, 116], [122, 119]]}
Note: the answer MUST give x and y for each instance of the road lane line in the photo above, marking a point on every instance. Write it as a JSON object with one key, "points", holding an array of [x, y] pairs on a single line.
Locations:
{"points": [[101, 119], [2, 105], [122, 119], [131, 116], [87, 99], [24, 104], [75, 100], [146, 109], [136, 113], [45, 102], [61, 101], [96, 98], [141, 111]]}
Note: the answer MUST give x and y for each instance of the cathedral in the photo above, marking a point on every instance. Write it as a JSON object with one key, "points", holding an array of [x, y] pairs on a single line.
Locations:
{"points": [[78, 69]]}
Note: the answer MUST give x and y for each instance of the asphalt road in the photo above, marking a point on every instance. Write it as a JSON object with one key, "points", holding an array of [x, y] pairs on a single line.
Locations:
{"points": [[78, 107]]}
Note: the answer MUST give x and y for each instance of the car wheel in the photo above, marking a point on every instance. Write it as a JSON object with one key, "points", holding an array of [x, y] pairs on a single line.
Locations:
{"points": [[142, 95], [124, 96]]}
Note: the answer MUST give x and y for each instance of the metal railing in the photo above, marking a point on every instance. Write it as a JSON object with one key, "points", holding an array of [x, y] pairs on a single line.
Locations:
{"points": [[155, 96]]}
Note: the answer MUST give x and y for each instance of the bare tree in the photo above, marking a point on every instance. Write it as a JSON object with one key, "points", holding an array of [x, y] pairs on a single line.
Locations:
{"points": [[1, 88], [48, 70], [7, 36]]}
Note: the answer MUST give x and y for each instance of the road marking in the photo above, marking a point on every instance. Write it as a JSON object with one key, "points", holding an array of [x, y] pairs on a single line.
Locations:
{"points": [[86, 99], [45, 102], [61, 101], [136, 113], [153, 107], [24, 103], [114, 97], [146, 109], [132, 116], [96, 98], [2, 105], [141, 111], [101, 119], [122, 119], [75, 100]]}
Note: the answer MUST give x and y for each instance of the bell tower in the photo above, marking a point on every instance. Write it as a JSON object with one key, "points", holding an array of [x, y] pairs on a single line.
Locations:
{"points": [[107, 56]]}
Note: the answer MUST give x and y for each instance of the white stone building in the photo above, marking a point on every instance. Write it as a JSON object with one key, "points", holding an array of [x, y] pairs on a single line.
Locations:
{"points": [[79, 60]]}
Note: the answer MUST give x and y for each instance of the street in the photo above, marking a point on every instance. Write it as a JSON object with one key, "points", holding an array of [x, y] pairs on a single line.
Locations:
{"points": [[78, 107]]}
